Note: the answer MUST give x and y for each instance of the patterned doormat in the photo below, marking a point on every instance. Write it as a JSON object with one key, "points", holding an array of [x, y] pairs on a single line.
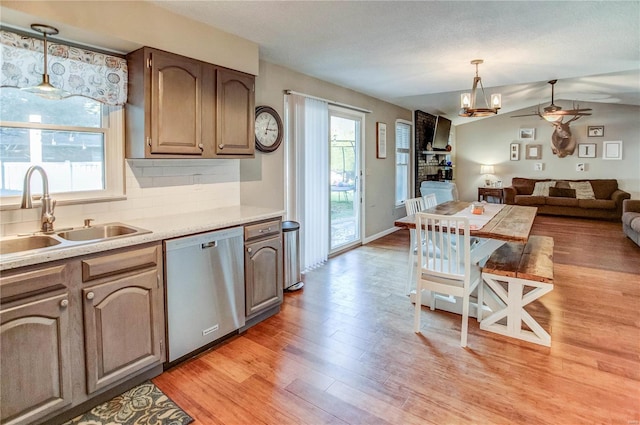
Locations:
{"points": [[141, 405]]}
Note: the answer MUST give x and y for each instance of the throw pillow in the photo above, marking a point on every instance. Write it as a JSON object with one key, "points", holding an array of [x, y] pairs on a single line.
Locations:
{"points": [[542, 188], [560, 192], [583, 190]]}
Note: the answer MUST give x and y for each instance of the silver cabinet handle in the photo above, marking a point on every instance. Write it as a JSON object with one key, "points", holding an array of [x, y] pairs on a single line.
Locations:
{"points": [[64, 303], [249, 250], [268, 229], [221, 146], [201, 146], [90, 295]]}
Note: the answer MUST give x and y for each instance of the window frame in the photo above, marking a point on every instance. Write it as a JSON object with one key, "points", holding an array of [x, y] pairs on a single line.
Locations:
{"points": [[113, 130], [407, 184]]}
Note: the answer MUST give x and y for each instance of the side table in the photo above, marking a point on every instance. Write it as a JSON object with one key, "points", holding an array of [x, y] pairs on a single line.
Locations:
{"points": [[494, 192]]}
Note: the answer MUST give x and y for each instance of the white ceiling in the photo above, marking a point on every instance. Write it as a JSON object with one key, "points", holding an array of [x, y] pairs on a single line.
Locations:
{"points": [[417, 54]]}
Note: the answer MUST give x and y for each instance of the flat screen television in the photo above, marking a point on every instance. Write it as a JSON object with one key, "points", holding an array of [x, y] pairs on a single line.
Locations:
{"points": [[441, 134]]}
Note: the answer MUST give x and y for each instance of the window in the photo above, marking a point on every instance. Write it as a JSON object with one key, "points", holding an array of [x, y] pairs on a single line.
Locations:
{"points": [[78, 141], [403, 142]]}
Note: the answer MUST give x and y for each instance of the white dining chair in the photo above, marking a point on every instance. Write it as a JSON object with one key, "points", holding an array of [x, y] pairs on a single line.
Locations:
{"points": [[451, 273], [414, 205], [429, 200]]}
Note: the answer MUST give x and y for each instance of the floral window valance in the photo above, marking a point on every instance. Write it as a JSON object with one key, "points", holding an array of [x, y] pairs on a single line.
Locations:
{"points": [[78, 71]]}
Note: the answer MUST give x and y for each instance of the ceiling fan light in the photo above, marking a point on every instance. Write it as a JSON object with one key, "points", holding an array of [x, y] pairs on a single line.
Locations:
{"points": [[553, 118]]}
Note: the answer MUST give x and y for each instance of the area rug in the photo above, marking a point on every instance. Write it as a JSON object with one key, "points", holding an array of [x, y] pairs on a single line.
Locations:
{"points": [[141, 405]]}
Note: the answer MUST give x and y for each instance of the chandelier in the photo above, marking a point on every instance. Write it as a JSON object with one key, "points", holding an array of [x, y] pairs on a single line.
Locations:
{"points": [[468, 100], [45, 89]]}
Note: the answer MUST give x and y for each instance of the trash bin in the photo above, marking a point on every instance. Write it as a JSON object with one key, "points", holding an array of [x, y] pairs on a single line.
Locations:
{"points": [[291, 236]]}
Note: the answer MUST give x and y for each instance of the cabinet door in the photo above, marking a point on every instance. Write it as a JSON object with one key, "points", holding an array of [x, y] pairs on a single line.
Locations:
{"points": [[263, 275], [235, 111], [176, 104], [122, 335], [34, 360]]}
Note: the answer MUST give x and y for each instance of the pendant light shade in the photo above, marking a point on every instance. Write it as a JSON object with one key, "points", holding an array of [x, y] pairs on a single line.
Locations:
{"points": [[45, 89], [468, 103]]}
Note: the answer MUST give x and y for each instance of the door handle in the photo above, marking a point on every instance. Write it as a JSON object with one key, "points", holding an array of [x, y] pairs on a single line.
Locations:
{"points": [[211, 244]]}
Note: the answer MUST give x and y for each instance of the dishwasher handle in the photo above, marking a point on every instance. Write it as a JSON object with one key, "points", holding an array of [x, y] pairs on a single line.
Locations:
{"points": [[212, 244]]}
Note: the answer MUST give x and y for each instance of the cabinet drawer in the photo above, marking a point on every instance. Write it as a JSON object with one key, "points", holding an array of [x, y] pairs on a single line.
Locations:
{"points": [[126, 261], [261, 230], [27, 284]]}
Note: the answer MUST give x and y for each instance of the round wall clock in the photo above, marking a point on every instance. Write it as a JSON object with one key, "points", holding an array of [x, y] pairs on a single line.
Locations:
{"points": [[269, 129]]}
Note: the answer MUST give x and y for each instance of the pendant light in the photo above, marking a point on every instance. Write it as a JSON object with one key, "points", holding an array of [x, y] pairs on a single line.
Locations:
{"points": [[45, 89], [468, 100]]}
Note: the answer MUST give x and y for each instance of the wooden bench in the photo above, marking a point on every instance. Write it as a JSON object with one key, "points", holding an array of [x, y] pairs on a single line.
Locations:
{"points": [[519, 274]]}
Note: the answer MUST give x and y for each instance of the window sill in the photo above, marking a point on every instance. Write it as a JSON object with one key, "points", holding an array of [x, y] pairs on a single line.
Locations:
{"points": [[16, 205]]}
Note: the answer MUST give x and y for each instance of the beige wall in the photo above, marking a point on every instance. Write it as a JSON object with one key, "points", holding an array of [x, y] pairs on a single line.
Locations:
{"points": [[262, 179], [124, 26], [487, 142]]}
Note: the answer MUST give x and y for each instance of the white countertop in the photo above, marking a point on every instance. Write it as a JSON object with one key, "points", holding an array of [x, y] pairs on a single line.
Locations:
{"points": [[163, 227]]}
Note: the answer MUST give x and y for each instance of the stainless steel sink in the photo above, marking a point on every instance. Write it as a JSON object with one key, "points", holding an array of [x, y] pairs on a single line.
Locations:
{"points": [[104, 231], [16, 246], [26, 243]]}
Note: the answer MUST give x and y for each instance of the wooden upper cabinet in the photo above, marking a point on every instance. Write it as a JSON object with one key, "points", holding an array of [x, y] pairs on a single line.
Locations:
{"points": [[235, 108], [179, 107], [164, 105], [176, 104]]}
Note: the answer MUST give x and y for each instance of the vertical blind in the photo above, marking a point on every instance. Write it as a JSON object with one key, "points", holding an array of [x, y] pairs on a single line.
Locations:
{"points": [[403, 140], [308, 192]]}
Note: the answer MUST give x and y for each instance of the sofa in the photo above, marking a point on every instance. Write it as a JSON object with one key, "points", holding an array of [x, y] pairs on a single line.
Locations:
{"points": [[596, 198], [631, 219]]}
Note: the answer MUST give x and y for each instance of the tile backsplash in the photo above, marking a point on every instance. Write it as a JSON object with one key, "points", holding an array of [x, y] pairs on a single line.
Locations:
{"points": [[153, 188]]}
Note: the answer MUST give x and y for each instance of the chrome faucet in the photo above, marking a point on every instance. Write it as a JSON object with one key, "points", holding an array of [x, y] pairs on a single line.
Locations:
{"points": [[48, 205]]}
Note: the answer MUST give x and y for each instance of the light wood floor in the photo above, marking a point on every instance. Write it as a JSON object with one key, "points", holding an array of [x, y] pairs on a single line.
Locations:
{"points": [[342, 351]]}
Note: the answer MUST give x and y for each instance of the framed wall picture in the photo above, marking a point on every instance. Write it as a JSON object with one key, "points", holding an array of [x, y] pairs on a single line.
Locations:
{"points": [[514, 152], [381, 140], [527, 134], [612, 150], [595, 131], [534, 152], [586, 150]]}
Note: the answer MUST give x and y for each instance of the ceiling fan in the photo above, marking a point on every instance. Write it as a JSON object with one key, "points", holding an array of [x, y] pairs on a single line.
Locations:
{"points": [[554, 113]]}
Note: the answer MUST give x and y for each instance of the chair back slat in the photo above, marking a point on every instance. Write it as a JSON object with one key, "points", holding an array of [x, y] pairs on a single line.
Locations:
{"points": [[414, 205], [451, 237]]}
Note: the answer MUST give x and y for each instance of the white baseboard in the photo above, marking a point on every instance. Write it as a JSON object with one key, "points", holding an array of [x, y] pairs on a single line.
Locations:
{"points": [[379, 235]]}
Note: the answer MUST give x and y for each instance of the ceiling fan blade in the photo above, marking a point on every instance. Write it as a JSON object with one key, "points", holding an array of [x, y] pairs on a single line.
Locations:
{"points": [[569, 112], [525, 115]]}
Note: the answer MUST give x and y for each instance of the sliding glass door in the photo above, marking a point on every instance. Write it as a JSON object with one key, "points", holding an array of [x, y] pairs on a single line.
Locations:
{"points": [[344, 174]]}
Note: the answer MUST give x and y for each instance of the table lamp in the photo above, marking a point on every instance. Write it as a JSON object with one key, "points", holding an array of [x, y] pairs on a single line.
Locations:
{"points": [[487, 170]]}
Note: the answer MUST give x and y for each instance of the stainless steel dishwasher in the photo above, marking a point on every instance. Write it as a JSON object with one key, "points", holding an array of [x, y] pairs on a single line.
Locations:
{"points": [[205, 289]]}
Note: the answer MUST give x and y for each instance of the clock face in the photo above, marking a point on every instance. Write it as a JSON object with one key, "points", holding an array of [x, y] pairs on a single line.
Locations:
{"points": [[268, 128]]}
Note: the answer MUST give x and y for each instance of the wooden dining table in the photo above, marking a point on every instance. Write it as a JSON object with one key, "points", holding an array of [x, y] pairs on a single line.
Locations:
{"points": [[497, 225], [509, 223]]}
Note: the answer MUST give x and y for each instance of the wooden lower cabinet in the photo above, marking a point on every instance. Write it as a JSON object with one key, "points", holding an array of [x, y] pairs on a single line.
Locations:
{"points": [[76, 328], [35, 359], [120, 332], [263, 267]]}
